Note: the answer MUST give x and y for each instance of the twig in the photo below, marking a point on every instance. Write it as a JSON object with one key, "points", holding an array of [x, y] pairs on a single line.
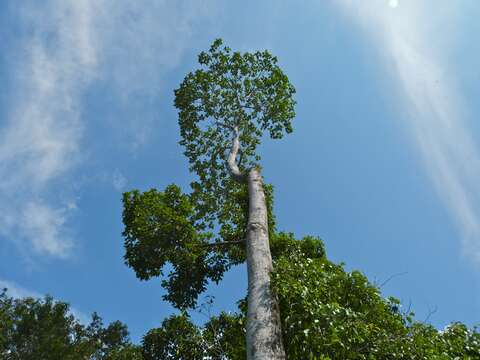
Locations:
{"points": [[430, 313], [391, 277]]}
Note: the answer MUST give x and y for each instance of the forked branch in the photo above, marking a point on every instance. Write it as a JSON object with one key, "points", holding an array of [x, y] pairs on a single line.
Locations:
{"points": [[232, 157]]}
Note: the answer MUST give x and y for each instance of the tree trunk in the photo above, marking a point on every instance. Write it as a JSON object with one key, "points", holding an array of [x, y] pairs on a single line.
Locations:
{"points": [[264, 332], [264, 335]]}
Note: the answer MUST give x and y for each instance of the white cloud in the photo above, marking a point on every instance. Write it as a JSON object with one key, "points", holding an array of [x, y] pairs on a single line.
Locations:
{"points": [[414, 36], [69, 46], [44, 227]]}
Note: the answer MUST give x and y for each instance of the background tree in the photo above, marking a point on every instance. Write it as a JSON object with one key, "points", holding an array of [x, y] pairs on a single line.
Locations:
{"points": [[177, 338], [32, 329], [224, 109]]}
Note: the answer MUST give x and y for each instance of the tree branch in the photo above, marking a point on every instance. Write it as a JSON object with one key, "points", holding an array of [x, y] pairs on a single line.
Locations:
{"points": [[223, 243], [232, 158], [390, 278], [430, 313]]}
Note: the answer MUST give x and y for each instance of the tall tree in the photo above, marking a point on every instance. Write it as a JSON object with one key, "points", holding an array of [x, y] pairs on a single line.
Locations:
{"points": [[224, 109]]}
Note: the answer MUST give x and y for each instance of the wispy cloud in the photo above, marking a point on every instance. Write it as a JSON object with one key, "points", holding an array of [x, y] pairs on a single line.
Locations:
{"points": [[413, 35], [17, 291], [68, 46], [41, 139]]}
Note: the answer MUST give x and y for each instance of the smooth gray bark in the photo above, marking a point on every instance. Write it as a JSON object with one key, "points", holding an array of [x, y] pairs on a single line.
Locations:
{"points": [[264, 335]]}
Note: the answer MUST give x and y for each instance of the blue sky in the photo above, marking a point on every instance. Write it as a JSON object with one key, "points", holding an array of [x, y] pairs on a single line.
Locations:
{"points": [[384, 162]]}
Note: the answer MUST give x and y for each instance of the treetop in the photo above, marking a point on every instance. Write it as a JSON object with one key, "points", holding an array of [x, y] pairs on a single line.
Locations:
{"points": [[232, 91]]}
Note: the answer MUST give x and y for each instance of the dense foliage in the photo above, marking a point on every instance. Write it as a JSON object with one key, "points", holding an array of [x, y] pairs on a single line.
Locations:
{"points": [[327, 312], [177, 338], [160, 228]]}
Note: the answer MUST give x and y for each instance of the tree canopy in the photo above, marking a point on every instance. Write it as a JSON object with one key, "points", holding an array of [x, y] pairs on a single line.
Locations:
{"points": [[232, 92]]}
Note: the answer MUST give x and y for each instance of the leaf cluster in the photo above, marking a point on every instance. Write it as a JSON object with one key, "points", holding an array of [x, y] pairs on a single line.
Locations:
{"points": [[163, 230], [221, 338], [177, 338]]}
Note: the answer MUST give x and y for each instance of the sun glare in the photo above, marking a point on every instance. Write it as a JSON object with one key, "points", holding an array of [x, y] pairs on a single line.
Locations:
{"points": [[393, 3]]}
